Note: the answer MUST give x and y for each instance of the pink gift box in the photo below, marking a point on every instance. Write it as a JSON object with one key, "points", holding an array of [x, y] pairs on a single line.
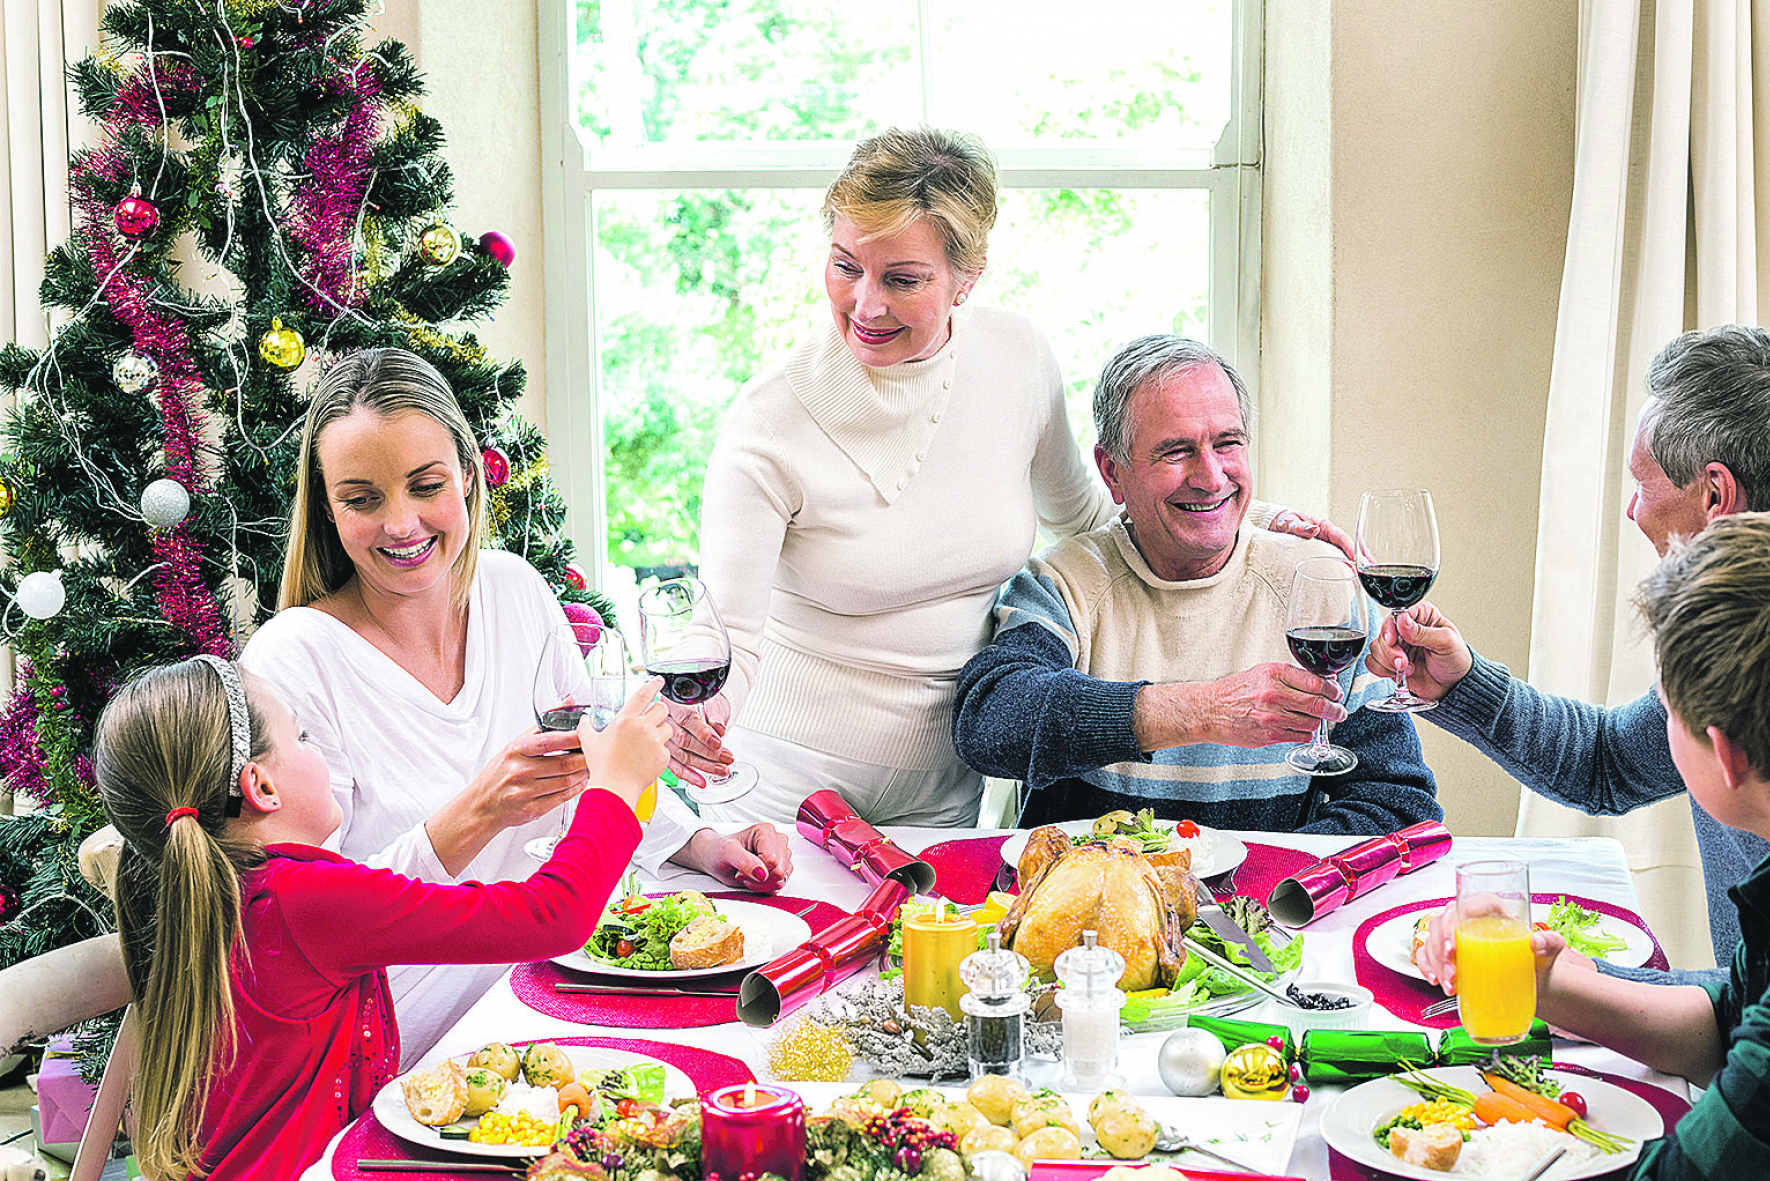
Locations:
{"points": [[64, 1100]]}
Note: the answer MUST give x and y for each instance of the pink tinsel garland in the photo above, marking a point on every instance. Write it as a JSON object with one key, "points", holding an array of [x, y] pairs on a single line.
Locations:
{"points": [[325, 209], [21, 755]]}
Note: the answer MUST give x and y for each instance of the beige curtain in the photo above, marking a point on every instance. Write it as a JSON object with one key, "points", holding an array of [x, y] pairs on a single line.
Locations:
{"points": [[1663, 236]]}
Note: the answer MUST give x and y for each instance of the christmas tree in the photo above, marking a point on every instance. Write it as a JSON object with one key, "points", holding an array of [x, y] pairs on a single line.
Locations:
{"points": [[264, 195]]}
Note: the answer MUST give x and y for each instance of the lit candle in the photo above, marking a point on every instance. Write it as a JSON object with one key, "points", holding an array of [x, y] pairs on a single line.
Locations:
{"points": [[753, 1128], [934, 945]]}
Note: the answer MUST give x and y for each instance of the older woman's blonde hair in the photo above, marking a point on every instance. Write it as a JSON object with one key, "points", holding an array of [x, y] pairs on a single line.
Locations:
{"points": [[897, 177], [386, 382]]}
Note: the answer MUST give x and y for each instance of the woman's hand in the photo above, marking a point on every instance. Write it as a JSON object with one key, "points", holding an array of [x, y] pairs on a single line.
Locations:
{"points": [[1303, 525], [697, 748], [1423, 646], [628, 755], [756, 859], [535, 774]]}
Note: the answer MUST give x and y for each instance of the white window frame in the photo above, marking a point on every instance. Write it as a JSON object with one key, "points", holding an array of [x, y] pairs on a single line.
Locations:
{"points": [[572, 175]]}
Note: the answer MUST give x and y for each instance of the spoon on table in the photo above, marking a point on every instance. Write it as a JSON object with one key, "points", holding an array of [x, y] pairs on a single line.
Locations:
{"points": [[1176, 1142]]}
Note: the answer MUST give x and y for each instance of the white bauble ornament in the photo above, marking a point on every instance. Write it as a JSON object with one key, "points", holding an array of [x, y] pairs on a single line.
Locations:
{"points": [[1189, 1061], [41, 595], [135, 373], [165, 503]]}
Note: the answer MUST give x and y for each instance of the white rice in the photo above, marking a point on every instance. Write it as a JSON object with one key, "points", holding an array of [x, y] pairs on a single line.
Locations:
{"points": [[540, 1102], [1510, 1150], [1202, 847]]}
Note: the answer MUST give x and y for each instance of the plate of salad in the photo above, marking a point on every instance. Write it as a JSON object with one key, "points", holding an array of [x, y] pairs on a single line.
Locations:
{"points": [[632, 940], [1599, 936], [1213, 851]]}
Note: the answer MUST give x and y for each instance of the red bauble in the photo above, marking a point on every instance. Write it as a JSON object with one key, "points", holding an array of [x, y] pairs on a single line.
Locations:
{"points": [[136, 217], [575, 576], [498, 247], [586, 624], [8, 904], [497, 465]]}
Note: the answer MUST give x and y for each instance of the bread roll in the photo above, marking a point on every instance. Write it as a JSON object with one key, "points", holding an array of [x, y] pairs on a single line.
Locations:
{"points": [[436, 1096], [707, 942]]}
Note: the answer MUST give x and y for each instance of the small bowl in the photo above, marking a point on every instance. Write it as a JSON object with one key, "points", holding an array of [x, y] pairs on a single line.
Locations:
{"points": [[1354, 1016]]}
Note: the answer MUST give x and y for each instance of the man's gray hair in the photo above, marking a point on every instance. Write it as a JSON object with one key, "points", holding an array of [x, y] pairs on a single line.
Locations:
{"points": [[1710, 403], [1151, 358]]}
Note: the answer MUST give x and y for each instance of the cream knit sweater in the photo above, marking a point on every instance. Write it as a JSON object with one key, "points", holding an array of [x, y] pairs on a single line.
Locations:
{"points": [[857, 523]]}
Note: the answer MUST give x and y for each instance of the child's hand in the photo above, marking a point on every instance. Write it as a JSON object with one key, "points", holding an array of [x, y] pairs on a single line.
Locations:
{"points": [[632, 751]]}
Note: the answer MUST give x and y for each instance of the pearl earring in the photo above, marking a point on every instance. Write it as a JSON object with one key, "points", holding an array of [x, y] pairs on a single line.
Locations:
{"points": [[958, 299]]}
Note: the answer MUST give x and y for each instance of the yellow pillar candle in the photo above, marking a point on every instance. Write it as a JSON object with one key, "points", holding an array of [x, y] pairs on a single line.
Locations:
{"points": [[933, 946]]}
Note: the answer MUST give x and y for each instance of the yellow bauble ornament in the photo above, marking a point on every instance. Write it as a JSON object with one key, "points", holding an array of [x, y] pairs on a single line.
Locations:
{"points": [[439, 245], [1255, 1071], [282, 347], [5, 498]]}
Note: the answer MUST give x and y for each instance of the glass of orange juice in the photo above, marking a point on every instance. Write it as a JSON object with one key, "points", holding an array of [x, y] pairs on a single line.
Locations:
{"points": [[1496, 972]]}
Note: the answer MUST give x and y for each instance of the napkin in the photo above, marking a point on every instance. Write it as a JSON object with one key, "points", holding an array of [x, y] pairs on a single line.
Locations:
{"points": [[1355, 872]]}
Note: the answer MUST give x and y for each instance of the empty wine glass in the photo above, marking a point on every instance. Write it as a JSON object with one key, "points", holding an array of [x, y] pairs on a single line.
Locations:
{"points": [[683, 640], [1397, 547], [584, 669], [1324, 627]]}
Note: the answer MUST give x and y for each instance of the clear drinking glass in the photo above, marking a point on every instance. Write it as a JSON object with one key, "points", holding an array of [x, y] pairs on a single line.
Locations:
{"points": [[683, 640], [1397, 548], [1325, 629], [583, 669], [1496, 970]]}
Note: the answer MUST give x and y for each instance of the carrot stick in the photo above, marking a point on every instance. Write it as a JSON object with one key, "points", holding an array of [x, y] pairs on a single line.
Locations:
{"points": [[1494, 1108], [1552, 1112]]}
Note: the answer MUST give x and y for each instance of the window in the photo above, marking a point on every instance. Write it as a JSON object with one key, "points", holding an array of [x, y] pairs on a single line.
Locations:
{"points": [[696, 139]]}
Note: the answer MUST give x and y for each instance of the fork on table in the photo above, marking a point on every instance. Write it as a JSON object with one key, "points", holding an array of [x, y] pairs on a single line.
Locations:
{"points": [[1440, 1008]]}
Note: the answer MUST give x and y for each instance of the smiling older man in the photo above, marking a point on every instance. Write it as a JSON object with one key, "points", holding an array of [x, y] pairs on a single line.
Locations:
{"points": [[1144, 664]]}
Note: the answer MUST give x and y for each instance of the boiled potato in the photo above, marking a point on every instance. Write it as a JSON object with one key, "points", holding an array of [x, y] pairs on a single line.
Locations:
{"points": [[1052, 1143], [883, 1091], [485, 1087], [1107, 1101], [987, 1137], [960, 1119], [1127, 1132], [924, 1102], [546, 1065], [1047, 1109], [499, 1057], [996, 1096]]}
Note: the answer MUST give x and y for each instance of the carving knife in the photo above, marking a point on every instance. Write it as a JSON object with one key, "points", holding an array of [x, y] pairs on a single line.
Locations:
{"points": [[1213, 916]]}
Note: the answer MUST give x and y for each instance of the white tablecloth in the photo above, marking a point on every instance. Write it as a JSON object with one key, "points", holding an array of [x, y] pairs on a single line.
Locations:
{"points": [[1590, 866]]}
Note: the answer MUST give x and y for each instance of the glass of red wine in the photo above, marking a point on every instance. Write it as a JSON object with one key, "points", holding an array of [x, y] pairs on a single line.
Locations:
{"points": [[1397, 547], [683, 640], [1325, 629], [584, 669]]}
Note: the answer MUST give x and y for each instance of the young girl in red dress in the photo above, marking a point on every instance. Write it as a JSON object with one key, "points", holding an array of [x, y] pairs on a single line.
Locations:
{"points": [[256, 957]]}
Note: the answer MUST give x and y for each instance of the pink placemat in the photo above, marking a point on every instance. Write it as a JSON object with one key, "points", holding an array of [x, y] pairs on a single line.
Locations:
{"points": [[1671, 1109], [1406, 996], [534, 984], [368, 1140], [966, 870]]}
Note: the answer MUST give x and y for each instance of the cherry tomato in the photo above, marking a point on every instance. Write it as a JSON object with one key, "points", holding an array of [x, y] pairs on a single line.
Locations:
{"points": [[1574, 1100], [627, 1108], [1186, 828], [624, 948], [1542, 926]]}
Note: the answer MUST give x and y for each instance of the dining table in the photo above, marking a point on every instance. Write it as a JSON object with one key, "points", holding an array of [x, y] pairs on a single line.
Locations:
{"points": [[1589, 867]]}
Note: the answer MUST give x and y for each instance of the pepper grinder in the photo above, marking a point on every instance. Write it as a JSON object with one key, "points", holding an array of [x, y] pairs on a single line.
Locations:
{"points": [[995, 1009], [1091, 1001]]}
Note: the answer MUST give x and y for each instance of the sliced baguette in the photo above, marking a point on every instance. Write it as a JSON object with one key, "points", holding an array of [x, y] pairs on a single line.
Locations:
{"points": [[707, 942], [436, 1096]]}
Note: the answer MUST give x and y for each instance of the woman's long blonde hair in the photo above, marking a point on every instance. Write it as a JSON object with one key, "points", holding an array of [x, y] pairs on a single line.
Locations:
{"points": [[386, 382], [165, 742]]}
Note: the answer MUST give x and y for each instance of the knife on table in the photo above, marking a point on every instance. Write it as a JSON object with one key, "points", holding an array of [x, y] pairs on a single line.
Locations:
{"points": [[1214, 917]]}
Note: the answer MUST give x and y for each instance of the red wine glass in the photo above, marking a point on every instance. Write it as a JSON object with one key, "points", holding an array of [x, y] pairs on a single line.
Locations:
{"points": [[1397, 547], [584, 670], [1325, 630], [683, 640]]}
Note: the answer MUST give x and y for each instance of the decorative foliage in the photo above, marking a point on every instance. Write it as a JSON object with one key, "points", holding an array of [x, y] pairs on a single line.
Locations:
{"points": [[922, 1043]]}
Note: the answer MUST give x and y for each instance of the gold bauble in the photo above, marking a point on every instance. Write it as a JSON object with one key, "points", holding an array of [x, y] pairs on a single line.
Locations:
{"points": [[5, 498], [439, 245], [1255, 1071], [282, 347]]}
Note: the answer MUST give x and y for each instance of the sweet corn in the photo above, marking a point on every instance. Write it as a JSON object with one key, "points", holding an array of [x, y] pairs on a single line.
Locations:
{"points": [[523, 1129]]}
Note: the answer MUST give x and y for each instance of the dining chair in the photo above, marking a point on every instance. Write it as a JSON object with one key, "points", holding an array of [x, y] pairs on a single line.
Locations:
{"points": [[108, 1103]]}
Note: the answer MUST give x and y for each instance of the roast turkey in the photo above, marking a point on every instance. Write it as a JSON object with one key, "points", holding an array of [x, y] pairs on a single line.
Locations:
{"points": [[1139, 904]]}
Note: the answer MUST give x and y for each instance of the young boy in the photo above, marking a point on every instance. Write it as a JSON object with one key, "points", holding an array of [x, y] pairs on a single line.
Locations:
{"points": [[1708, 608]]}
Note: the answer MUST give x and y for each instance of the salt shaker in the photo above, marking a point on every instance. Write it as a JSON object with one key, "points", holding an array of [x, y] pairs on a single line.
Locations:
{"points": [[1091, 1001], [995, 1009]]}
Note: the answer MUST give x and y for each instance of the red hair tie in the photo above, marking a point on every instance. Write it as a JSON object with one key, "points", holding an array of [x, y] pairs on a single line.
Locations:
{"points": [[177, 812]]}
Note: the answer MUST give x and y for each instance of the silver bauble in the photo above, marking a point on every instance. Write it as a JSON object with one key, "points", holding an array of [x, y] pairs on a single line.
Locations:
{"points": [[135, 373], [1189, 1061], [41, 595], [995, 1165], [165, 503]]}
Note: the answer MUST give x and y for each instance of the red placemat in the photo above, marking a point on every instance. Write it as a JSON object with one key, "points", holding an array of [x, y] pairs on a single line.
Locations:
{"points": [[533, 984], [368, 1140], [1671, 1109], [965, 870], [1406, 996]]}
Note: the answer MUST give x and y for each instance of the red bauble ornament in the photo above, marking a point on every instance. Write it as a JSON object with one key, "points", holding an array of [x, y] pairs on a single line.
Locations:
{"points": [[575, 576], [497, 465], [586, 624], [8, 904], [498, 247], [136, 216]]}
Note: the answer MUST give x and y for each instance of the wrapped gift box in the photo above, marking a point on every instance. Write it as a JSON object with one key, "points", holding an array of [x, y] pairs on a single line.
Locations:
{"points": [[63, 1100]]}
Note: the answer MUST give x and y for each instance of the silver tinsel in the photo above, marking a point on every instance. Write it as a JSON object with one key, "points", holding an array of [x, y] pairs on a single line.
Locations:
{"points": [[923, 1043]]}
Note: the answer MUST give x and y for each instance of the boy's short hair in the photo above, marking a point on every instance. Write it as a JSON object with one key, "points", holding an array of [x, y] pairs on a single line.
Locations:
{"points": [[1708, 607]]}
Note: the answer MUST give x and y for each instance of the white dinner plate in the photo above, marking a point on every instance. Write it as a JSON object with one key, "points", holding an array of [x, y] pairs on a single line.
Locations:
{"points": [[768, 932], [1221, 852], [390, 1104], [1351, 1118], [1392, 943], [1258, 1134]]}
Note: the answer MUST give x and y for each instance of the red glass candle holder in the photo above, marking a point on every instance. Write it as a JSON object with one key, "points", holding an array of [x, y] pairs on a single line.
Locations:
{"points": [[753, 1128]]}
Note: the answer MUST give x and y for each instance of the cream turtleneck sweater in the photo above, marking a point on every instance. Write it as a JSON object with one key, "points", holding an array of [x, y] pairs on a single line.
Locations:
{"points": [[856, 524]]}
